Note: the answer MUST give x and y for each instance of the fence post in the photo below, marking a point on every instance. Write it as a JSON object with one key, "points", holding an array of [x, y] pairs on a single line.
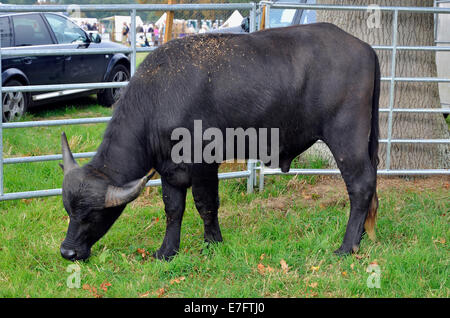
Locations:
{"points": [[262, 22], [252, 25], [251, 177], [169, 24], [133, 42], [1, 124], [267, 16], [261, 176], [392, 88], [436, 19]]}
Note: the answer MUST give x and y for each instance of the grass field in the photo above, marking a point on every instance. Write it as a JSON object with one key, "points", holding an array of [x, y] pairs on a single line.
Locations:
{"points": [[277, 243]]}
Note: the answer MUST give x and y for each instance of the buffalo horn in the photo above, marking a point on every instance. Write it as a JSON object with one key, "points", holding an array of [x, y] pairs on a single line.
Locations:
{"points": [[116, 196], [68, 161]]}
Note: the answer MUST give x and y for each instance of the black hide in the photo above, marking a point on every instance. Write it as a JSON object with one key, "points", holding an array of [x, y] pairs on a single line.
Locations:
{"points": [[313, 82]]}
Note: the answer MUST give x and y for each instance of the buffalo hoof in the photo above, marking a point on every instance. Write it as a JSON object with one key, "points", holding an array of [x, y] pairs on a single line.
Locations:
{"points": [[215, 237], [164, 255], [344, 250], [207, 244]]}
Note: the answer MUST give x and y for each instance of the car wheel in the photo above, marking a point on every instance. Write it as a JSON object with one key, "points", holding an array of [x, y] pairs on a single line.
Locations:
{"points": [[109, 96], [15, 104]]}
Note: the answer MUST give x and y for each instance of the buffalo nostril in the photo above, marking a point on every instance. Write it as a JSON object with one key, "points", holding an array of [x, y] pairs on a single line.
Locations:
{"points": [[67, 253]]}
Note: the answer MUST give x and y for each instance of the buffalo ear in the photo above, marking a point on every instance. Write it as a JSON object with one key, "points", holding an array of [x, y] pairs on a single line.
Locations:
{"points": [[69, 162], [116, 196]]}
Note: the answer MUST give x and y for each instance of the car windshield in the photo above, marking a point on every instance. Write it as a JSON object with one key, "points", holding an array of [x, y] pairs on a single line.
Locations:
{"points": [[285, 17], [308, 16], [65, 30]]}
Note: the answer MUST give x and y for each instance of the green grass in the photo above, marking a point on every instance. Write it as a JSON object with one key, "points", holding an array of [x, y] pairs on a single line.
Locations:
{"points": [[140, 56], [46, 140], [300, 220]]}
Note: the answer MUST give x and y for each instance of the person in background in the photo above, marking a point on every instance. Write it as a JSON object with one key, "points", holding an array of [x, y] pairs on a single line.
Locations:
{"points": [[156, 33], [150, 32], [204, 28], [125, 33], [146, 43]]}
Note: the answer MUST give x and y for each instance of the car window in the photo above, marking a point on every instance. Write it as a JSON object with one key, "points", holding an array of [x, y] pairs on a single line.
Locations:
{"points": [[282, 17], [309, 16], [65, 30], [5, 31], [285, 17], [30, 29]]}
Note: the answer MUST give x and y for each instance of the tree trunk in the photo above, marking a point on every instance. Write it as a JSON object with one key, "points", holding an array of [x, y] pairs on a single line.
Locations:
{"points": [[414, 29]]}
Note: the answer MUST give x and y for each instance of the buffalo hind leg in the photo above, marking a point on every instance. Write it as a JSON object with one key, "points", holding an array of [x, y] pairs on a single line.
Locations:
{"points": [[360, 178], [205, 190], [174, 200], [361, 190]]}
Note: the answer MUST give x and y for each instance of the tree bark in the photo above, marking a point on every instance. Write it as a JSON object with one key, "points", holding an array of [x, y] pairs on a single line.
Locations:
{"points": [[414, 29]]}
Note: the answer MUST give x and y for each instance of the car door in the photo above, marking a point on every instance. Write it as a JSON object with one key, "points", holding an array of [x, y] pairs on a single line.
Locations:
{"points": [[78, 68], [31, 32]]}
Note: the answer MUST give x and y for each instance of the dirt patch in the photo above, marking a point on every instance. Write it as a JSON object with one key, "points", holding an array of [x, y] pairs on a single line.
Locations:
{"points": [[326, 183], [413, 183], [326, 192], [331, 191], [281, 203]]}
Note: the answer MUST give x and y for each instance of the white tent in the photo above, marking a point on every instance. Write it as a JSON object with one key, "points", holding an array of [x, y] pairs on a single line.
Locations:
{"points": [[161, 21], [117, 24], [235, 19]]}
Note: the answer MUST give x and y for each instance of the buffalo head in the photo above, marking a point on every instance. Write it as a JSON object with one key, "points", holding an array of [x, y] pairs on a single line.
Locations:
{"points": [[92, 202]]}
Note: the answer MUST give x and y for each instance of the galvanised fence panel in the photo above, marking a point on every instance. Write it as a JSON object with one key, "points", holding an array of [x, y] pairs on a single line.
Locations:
{"points": [[249, 173], [254, 13]]}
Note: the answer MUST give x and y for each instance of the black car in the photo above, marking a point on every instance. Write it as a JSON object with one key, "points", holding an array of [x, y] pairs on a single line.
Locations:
{"points": [[55, 31]]}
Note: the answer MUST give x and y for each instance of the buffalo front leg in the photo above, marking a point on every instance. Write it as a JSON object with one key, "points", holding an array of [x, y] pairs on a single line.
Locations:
{"points": [[174, 200], [205, 190]]}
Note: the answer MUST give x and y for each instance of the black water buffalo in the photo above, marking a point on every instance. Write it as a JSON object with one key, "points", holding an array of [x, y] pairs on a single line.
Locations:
{"points": [[312, 82]]}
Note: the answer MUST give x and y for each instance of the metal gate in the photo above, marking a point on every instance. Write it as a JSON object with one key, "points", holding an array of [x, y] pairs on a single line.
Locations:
{"points": [[253, 167], [392, 79]]}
